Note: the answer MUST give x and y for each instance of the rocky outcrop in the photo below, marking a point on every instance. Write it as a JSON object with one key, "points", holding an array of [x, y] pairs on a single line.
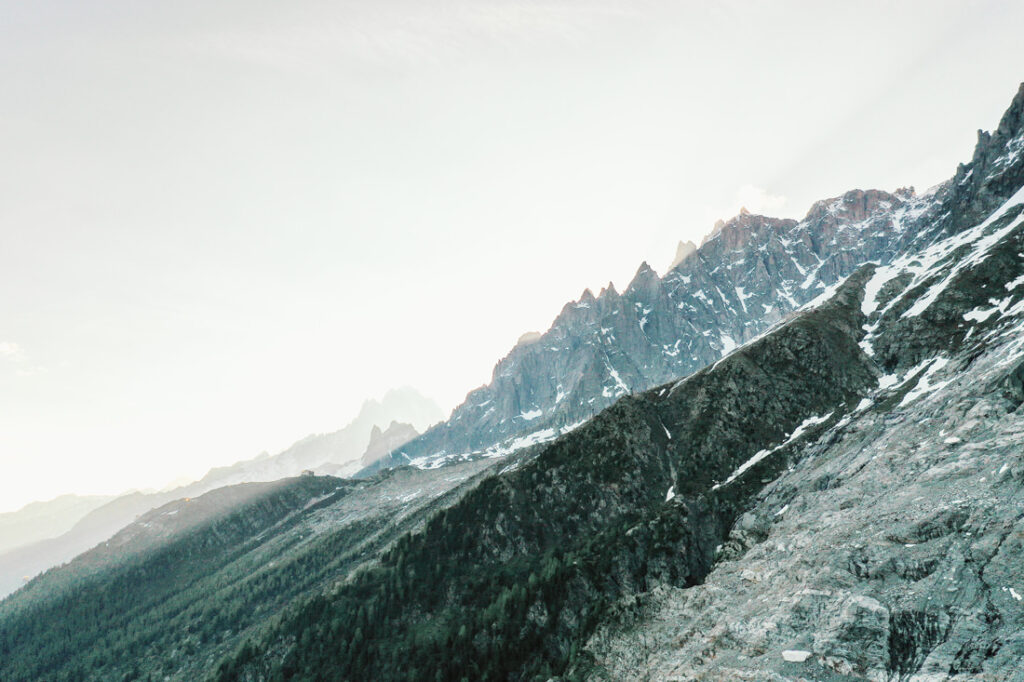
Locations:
{"points": [[683, 251], [383, 442], [995, 169], [886, 550], [838, 498], [748, 275]]}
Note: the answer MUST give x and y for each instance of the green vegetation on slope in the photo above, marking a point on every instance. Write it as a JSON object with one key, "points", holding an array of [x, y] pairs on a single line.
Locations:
{"points": [[508, 583]]}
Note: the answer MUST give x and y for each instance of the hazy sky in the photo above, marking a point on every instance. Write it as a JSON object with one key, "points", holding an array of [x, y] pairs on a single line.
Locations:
{"points": [[225, 224]]}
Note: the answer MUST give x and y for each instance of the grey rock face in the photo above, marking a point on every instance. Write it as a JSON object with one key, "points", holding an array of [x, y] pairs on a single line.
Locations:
{"points": [[749, 274], [838, 499], [383, 442], [892, 548]]}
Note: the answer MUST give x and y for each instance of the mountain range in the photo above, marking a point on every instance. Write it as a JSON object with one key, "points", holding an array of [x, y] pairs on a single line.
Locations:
{"points": [[73, 525], [750, 272], [45, 519], [796, 455]]}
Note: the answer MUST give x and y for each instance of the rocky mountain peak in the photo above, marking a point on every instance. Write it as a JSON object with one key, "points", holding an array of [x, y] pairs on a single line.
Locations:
{"points": [[715, 229], [684, 251], [749, 274], [645, 282], [994, 171], [383, 442], [738, 231], [528, 338], [857, 204], [1013, 120]]}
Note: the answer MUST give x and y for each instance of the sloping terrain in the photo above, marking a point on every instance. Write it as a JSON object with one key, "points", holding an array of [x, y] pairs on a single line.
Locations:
{"points": [[545, 569], [337, 453], [41, 520], [750, 273], [510, 580], [835, 499], [187, 583], [893, 549], [23, 563]]}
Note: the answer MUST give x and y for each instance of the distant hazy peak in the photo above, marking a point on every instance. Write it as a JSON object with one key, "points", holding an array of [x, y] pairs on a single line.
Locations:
{"points": [[383, 442], [528, 338], [687, 249], [401, 404], [719, 224], [645, 279]]}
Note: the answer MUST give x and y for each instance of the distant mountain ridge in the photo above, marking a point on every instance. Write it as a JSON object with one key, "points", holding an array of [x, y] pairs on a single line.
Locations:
{"points": [[40, 520], [748, 274], [340, 449], [383, 442], [838, 498], [336, 453]]}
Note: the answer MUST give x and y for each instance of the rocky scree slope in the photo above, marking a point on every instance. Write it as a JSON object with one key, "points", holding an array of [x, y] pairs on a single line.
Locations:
{"points": [[892, 548], [555, 562], [559, 565], [508, 582]]}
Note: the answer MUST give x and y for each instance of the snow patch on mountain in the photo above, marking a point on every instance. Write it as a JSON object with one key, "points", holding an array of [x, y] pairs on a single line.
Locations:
{"points": [[761, 454]]}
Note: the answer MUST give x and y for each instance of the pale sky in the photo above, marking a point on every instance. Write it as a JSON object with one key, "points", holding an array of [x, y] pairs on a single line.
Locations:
{"points": [[223, 225]]}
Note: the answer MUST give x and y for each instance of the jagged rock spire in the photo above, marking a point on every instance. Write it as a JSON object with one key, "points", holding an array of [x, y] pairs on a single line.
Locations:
{"points": [[685, 250]]}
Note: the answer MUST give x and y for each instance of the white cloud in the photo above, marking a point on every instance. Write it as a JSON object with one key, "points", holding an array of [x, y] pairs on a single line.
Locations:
{"points": [[11, 351], [755, 199], [409, 34], [15, 354], [760, 200]]}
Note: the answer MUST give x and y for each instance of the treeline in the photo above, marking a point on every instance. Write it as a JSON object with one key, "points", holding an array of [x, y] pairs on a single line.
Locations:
{"points": [[510, 582], [180, 606]]}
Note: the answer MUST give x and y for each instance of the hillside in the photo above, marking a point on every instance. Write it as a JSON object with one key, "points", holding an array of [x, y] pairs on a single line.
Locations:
{"points": [[40, 520], [336, 453], [886, 418], [834, 496], [751, 272]]}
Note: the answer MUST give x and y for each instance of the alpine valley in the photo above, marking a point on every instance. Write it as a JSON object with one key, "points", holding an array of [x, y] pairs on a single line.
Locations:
{"points": [[798, 455]]}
